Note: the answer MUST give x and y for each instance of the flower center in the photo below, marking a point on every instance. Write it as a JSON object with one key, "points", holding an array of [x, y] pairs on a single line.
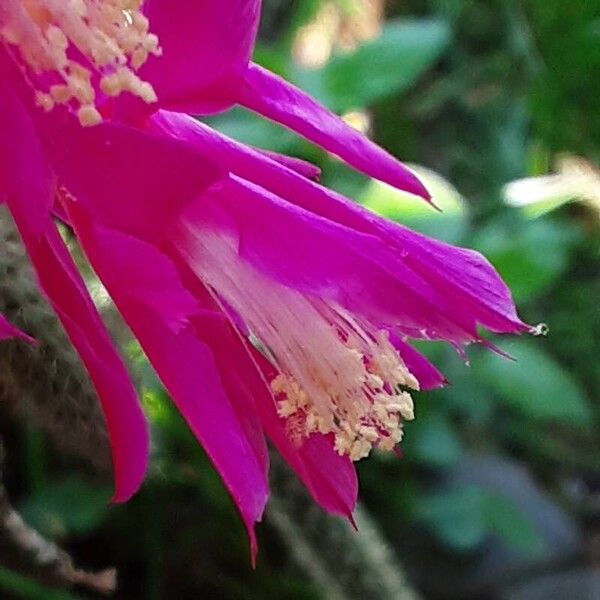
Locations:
{"points": [[337, 374], [74, 47], [367, 403]]}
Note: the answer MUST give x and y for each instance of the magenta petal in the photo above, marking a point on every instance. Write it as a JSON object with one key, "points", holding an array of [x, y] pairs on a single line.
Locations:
{"points": [[131, 179], [28, 183], [146, 288], [319, 257], [64, 288], [427, 375], [437, 276], [25, 175], [464, 276], [240, 378], [284, 103], [206, 47], [240, 375], [8, 331], [330, 478], [333, 480], [298, 165]]}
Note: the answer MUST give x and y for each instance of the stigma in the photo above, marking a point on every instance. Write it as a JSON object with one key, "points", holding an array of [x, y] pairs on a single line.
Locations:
{"points": [[70, 49]]}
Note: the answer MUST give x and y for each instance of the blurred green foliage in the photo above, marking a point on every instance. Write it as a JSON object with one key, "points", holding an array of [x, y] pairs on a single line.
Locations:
{"points": [[480, 93], [378, 69]]}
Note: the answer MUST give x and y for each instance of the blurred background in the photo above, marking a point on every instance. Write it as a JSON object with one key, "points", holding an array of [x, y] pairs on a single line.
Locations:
{"points": [[496, 105]]}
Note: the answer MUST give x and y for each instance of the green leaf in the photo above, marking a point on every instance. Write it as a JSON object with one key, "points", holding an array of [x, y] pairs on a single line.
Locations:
{"points": [[455, 516], [462, 517], [534, 384], [22, 587], [530, 256], [388, 65], [433, 441], [69, 507], [449, 225], [379, 69], [503, 518]]}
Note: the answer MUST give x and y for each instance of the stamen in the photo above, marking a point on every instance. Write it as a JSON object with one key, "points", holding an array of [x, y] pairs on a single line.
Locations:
{"points": [[109, 38], [337, 374]]}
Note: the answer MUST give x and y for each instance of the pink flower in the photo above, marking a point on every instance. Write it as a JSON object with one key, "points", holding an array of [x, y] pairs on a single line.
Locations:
{"points": [[268, 305]]}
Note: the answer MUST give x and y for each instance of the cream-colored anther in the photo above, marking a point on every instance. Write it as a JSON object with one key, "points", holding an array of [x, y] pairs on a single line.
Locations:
{"points": [[61, 93], [88, 115], [111, 35], [44, 101]]}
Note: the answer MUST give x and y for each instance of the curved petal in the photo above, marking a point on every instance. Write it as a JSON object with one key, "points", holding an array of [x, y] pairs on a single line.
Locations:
{"points": [[330, 478], [132, 179], [315, 256], [478, 291], [66, 292], [206, 47], [301, 167], [239, 376], [284, 103], [9, 331], [427, 375], [25, 174], [148, 292], [28, 181], [464, 276]]}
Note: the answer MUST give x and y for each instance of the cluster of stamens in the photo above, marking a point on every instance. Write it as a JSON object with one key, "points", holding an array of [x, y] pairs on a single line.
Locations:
{"points": [[338, 373], [361, 416], [75, 45]]}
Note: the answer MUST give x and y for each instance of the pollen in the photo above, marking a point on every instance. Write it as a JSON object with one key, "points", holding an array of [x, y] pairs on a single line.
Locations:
{"points": [[69, 49], [366, 410]]}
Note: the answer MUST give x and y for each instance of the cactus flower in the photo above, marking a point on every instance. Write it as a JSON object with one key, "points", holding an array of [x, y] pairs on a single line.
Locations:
{"points": [[269, 306]]}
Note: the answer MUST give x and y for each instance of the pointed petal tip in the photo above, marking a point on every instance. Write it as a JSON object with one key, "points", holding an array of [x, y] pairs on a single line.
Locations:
{"points": [[21, 335], [126, 490], [522, 327], [122, 497], [411, 183], [253, 541], [352, 522], [29, 340], [278, 100], [418, 189], [429, 200], [127, 484], [496, 350], [9, 331], [253, 552]]}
